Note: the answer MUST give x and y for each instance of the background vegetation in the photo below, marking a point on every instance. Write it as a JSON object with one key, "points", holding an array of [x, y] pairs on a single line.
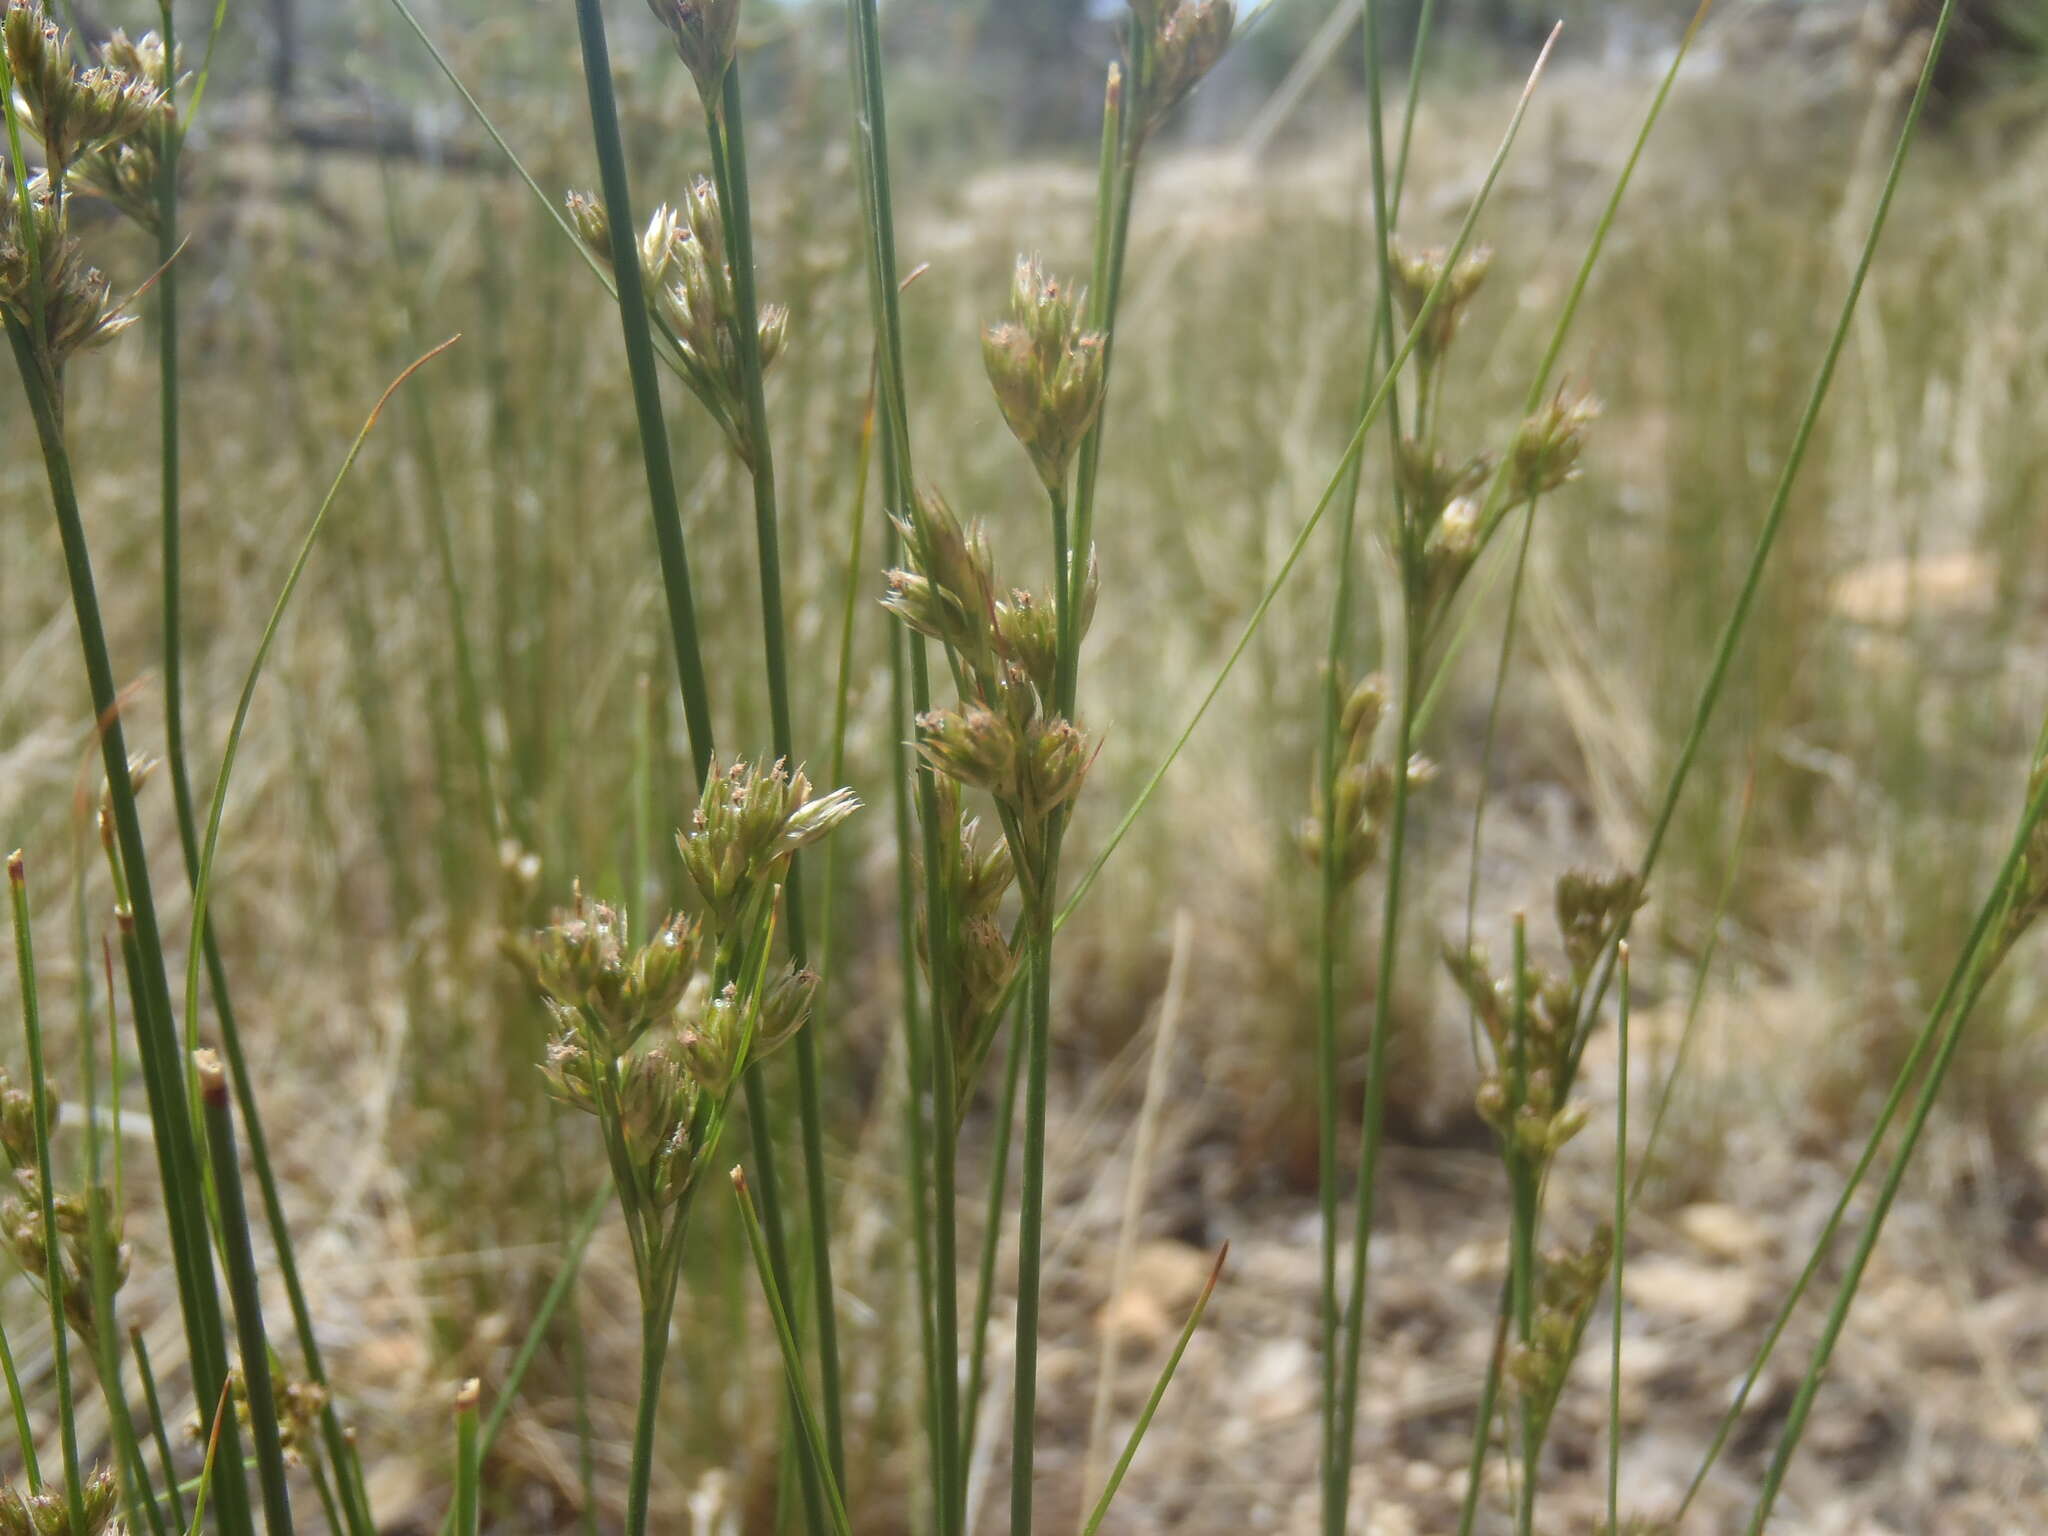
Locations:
{"points": [[474, 705]]}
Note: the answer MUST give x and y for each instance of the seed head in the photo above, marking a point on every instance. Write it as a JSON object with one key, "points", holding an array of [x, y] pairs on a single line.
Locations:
{"points": [[1416, 274], [1590, 910], [748, 824], [38, 256], [585, 962], [706, 34], [571, 1071], [74, 112], [1047, 371], [947, 588], [1184, 40], [1546, 450]]}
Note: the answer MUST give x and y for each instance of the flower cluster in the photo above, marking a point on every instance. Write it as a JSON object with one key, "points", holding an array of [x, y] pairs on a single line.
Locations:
{"points": [[1002, 736], [977, 960], [91, 118], [686, 274], [651, 1037], [706, 34], [1568, 1284], [26, 1239], [49, 1513], [1546, 450], [1531, 1021], [1048, 371], [125, 170], [1364, 788], [1416, 274], [1173, 45]]}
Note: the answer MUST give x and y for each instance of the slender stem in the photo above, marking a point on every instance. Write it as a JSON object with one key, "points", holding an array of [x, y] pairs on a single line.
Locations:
{"points": [[46, 1195], [656, 1308], [735, 198], [992, 1231], [24, 1432], [1621, 1201], [1374, 1118], [785, 1338], [247, 1293], [171, 142], [1486, 745], [1159, 1386], [761, 1124], [467, 1461], [1031, 1225], [136, 1490], [157, 1429], [634, 327], [1336, 1443]]}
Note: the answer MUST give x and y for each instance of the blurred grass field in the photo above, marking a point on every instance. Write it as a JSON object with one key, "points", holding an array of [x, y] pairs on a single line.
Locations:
{"points": [[1858, 787]]}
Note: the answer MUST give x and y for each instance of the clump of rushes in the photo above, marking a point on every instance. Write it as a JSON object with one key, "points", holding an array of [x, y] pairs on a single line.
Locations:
{"points": [[55, 304], [1444, 508], [686, 273], [1531, 1020], [652, 1037]]}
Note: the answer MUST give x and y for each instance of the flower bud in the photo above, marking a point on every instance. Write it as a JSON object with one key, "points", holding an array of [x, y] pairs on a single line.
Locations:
{"points": [[706, 34], [1416, 274], [1546, 449]]}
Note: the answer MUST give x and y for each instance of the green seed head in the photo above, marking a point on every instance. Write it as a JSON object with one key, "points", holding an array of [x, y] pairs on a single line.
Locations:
{"points": [[1547, 448], [706, 34], [1416, 274], [1046, 369]]}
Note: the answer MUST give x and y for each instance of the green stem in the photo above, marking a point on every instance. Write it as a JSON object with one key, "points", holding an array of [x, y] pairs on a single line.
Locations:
{"points": [[1374, 1118], [1159, 1386], [735, 198], [792, 1360], [24, 1432], [634, 327], [761, 1125], [46, 1195], [1621, 1203], [158, 1432], [992, 1231], [656, 1307], [1303, 535], [467, 1461], [1336, 1413], [246, 1290], [1031, 1225]]}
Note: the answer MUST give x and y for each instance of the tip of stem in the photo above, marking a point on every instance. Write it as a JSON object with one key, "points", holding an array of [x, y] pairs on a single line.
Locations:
{"points": [[468, 1395], [124, 919], [739, 1178], [17, 870], [213, 1078]]}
